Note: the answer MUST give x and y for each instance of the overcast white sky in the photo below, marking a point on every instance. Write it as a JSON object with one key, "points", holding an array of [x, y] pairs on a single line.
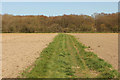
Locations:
{"points": [[60, 0]]}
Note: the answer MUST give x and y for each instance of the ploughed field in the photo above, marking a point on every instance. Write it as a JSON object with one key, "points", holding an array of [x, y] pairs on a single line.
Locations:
{"points": [[21, 50], [105, 45], [30, 56], [65, 57]]}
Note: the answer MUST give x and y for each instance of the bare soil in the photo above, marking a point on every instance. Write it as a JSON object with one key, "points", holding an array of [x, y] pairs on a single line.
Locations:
{"points": [[0, 56], [105, 45], [20, 50]]}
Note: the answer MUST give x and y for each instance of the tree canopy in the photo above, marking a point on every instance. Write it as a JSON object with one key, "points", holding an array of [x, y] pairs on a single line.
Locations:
{"points": [[67, 23]]}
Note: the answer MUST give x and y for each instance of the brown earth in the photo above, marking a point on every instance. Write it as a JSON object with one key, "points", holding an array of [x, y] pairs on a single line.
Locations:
{"points": [[0, 56], [105, 45], [20, 50]]}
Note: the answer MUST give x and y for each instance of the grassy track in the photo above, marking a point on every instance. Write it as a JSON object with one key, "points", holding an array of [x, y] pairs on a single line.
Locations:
{"points": [[65, 57]]}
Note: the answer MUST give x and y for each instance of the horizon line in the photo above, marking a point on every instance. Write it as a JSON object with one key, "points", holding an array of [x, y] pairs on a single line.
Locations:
{"points": [[55, 15]]}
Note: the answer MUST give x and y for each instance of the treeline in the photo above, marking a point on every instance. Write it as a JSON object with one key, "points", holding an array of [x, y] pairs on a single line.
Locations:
{"points": [[67, 23]]}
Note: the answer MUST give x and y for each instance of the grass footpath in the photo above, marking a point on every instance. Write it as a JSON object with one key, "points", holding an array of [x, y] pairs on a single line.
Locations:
{"points": [[65, 57]]}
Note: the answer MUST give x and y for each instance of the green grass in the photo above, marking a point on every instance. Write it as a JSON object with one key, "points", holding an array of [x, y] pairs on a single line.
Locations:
{"points": [[65, 57]]}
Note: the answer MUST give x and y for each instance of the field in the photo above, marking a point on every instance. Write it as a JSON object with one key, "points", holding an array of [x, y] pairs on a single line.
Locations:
{"points": [[105, 45], [64, 57], [21, 50]]}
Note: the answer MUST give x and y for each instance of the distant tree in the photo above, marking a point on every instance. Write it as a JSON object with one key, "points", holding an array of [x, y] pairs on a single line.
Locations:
{"points": [[98, 22]]}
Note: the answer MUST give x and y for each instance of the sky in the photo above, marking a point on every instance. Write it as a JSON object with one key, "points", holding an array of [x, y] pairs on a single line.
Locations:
{"points": [[60, 0], [58, 8]]}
